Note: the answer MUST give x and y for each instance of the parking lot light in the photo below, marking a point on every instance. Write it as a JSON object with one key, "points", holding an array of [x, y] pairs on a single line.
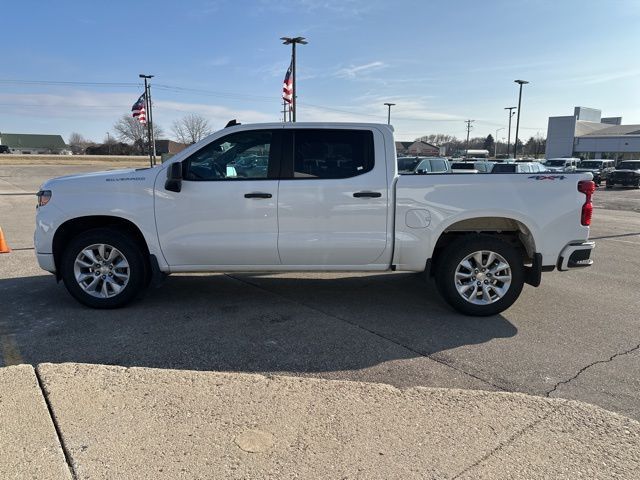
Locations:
{"points": [[515, 145]]}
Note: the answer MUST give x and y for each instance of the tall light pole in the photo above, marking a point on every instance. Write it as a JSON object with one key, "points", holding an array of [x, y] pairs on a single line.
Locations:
{"points": [[292, 41], [515, 145], [511, 114], [389, 105], [495, 142], [108, 143]]}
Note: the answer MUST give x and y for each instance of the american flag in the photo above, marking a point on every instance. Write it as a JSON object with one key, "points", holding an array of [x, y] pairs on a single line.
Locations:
{"points": [[138, 110], [287, 87]]}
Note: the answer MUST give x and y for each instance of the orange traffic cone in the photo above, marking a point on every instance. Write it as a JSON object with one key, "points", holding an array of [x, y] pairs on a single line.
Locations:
{"points": [[4, 248]]}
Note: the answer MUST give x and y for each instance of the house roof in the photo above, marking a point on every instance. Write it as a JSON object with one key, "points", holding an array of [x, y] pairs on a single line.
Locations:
{"points": [[423, 144], [29, 140], [403, 144], [615, 130]]}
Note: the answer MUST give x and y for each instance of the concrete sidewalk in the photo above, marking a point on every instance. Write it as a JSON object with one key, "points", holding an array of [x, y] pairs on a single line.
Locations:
{"points": [[115, 422]]}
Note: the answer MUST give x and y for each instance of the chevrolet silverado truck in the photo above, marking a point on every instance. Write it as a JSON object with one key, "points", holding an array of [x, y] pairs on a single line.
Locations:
{"points": [[310, 197]]}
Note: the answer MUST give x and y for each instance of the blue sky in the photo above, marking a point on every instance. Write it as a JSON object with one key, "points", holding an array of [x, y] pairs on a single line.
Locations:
{"points": [[441, 62]]}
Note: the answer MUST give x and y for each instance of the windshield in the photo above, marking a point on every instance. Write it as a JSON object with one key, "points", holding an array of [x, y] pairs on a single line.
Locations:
{"points": [[629, 166], [555, 163], [463, 166], [590, 164]]}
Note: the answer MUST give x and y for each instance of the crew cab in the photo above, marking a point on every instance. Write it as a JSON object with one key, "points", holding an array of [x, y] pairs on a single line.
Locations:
{"points": [[328, 199]]}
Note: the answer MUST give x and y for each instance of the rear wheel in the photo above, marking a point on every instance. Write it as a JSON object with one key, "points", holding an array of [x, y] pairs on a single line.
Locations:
{"points": [[102, 268], [480, 275]]}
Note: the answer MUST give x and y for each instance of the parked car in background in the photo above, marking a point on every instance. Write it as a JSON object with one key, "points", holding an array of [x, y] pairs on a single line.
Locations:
{"points": [[408, 164], [433, 165], [599, 168], [4, 149], [479, 166], [627, 173], [519, 167], [562, 164]]}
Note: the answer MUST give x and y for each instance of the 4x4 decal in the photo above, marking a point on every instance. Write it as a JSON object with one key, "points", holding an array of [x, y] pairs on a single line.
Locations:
{"points": [[548, 177]]}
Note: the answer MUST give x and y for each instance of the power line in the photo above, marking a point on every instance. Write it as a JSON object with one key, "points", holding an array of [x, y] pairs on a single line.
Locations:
{"points": [[213, 93], [61, 83]]}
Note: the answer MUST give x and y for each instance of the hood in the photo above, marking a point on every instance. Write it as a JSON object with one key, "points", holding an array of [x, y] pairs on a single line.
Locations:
{"points": [[588, 170], [97, 178]]}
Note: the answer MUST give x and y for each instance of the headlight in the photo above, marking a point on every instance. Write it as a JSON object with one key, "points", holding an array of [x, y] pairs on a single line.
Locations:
{"points": [[43, 197]]}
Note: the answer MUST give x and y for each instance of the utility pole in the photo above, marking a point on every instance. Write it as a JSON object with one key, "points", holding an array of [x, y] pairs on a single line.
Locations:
{"points": [[495, 142], [389, 105], [515, 145], [147, 99], [292, 41], [108, 144], [511, 114], [469, 127]]}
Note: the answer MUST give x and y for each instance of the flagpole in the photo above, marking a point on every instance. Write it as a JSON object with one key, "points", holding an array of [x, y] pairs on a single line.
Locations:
{"points": [[292, 41], [153, 134], [148, 115]]}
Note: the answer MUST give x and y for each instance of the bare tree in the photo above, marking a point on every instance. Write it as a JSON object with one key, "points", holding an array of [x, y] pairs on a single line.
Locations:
{"points": [[191, 128], [129, 129], [78, 143]]}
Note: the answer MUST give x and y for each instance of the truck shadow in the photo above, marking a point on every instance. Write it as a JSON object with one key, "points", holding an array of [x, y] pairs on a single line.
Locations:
{"points": [[245, 322]]}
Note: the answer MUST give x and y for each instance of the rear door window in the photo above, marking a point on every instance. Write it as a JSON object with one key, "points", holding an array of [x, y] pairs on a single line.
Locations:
{"points": [[439, 166], [327, 154]]}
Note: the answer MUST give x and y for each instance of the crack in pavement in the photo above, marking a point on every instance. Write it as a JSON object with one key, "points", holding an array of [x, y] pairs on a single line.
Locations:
{"points": [[583, 369], [373, 332], [507, 442], [605, 237], [65, 451]]}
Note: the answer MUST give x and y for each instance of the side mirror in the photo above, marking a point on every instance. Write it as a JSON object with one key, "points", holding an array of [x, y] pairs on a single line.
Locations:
{"points": [[174, 177]]}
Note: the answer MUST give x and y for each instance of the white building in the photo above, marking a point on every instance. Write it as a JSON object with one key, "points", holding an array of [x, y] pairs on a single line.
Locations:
{"points": [[586, 134]]}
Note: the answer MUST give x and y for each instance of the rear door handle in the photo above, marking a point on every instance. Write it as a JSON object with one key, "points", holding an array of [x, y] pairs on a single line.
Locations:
{"points": [[367, 194], [257, 195]]}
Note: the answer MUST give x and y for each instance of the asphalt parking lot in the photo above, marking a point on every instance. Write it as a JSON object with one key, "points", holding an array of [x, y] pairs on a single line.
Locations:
{"points": [[576, 337]]}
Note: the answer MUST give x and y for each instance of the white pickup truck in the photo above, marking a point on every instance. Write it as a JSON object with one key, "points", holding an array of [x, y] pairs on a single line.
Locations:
{"points": [[310, 197]]}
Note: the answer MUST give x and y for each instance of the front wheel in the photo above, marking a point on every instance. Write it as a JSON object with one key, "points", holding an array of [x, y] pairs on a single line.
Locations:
{"points": [[480, 275], [102, 268]]}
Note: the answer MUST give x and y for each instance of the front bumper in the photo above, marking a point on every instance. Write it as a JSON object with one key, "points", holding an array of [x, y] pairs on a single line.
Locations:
{"points": [[46, 262], [626, 180], [576, 255]]}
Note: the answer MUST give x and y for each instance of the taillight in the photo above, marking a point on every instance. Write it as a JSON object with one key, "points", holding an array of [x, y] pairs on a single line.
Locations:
{"points": [[587, 187]]}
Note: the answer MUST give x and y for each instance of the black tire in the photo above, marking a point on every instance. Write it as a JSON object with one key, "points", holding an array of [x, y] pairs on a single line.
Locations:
{"points": [[609, 186], [137, 267], [455, 253]]}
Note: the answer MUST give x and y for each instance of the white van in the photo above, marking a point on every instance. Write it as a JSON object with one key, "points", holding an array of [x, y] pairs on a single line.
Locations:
{"points": [[562, 164]]}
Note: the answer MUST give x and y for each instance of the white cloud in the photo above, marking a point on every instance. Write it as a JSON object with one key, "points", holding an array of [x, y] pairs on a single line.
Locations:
{"points": [[355, 70]]}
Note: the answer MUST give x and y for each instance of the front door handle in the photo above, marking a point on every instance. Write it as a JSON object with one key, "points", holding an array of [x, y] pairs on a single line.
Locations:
{"points": [[257, 195], [367, 194]]}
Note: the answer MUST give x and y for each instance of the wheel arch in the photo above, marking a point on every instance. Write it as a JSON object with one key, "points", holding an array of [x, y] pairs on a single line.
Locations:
{"points": [[510, 229], [71, 228]]}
